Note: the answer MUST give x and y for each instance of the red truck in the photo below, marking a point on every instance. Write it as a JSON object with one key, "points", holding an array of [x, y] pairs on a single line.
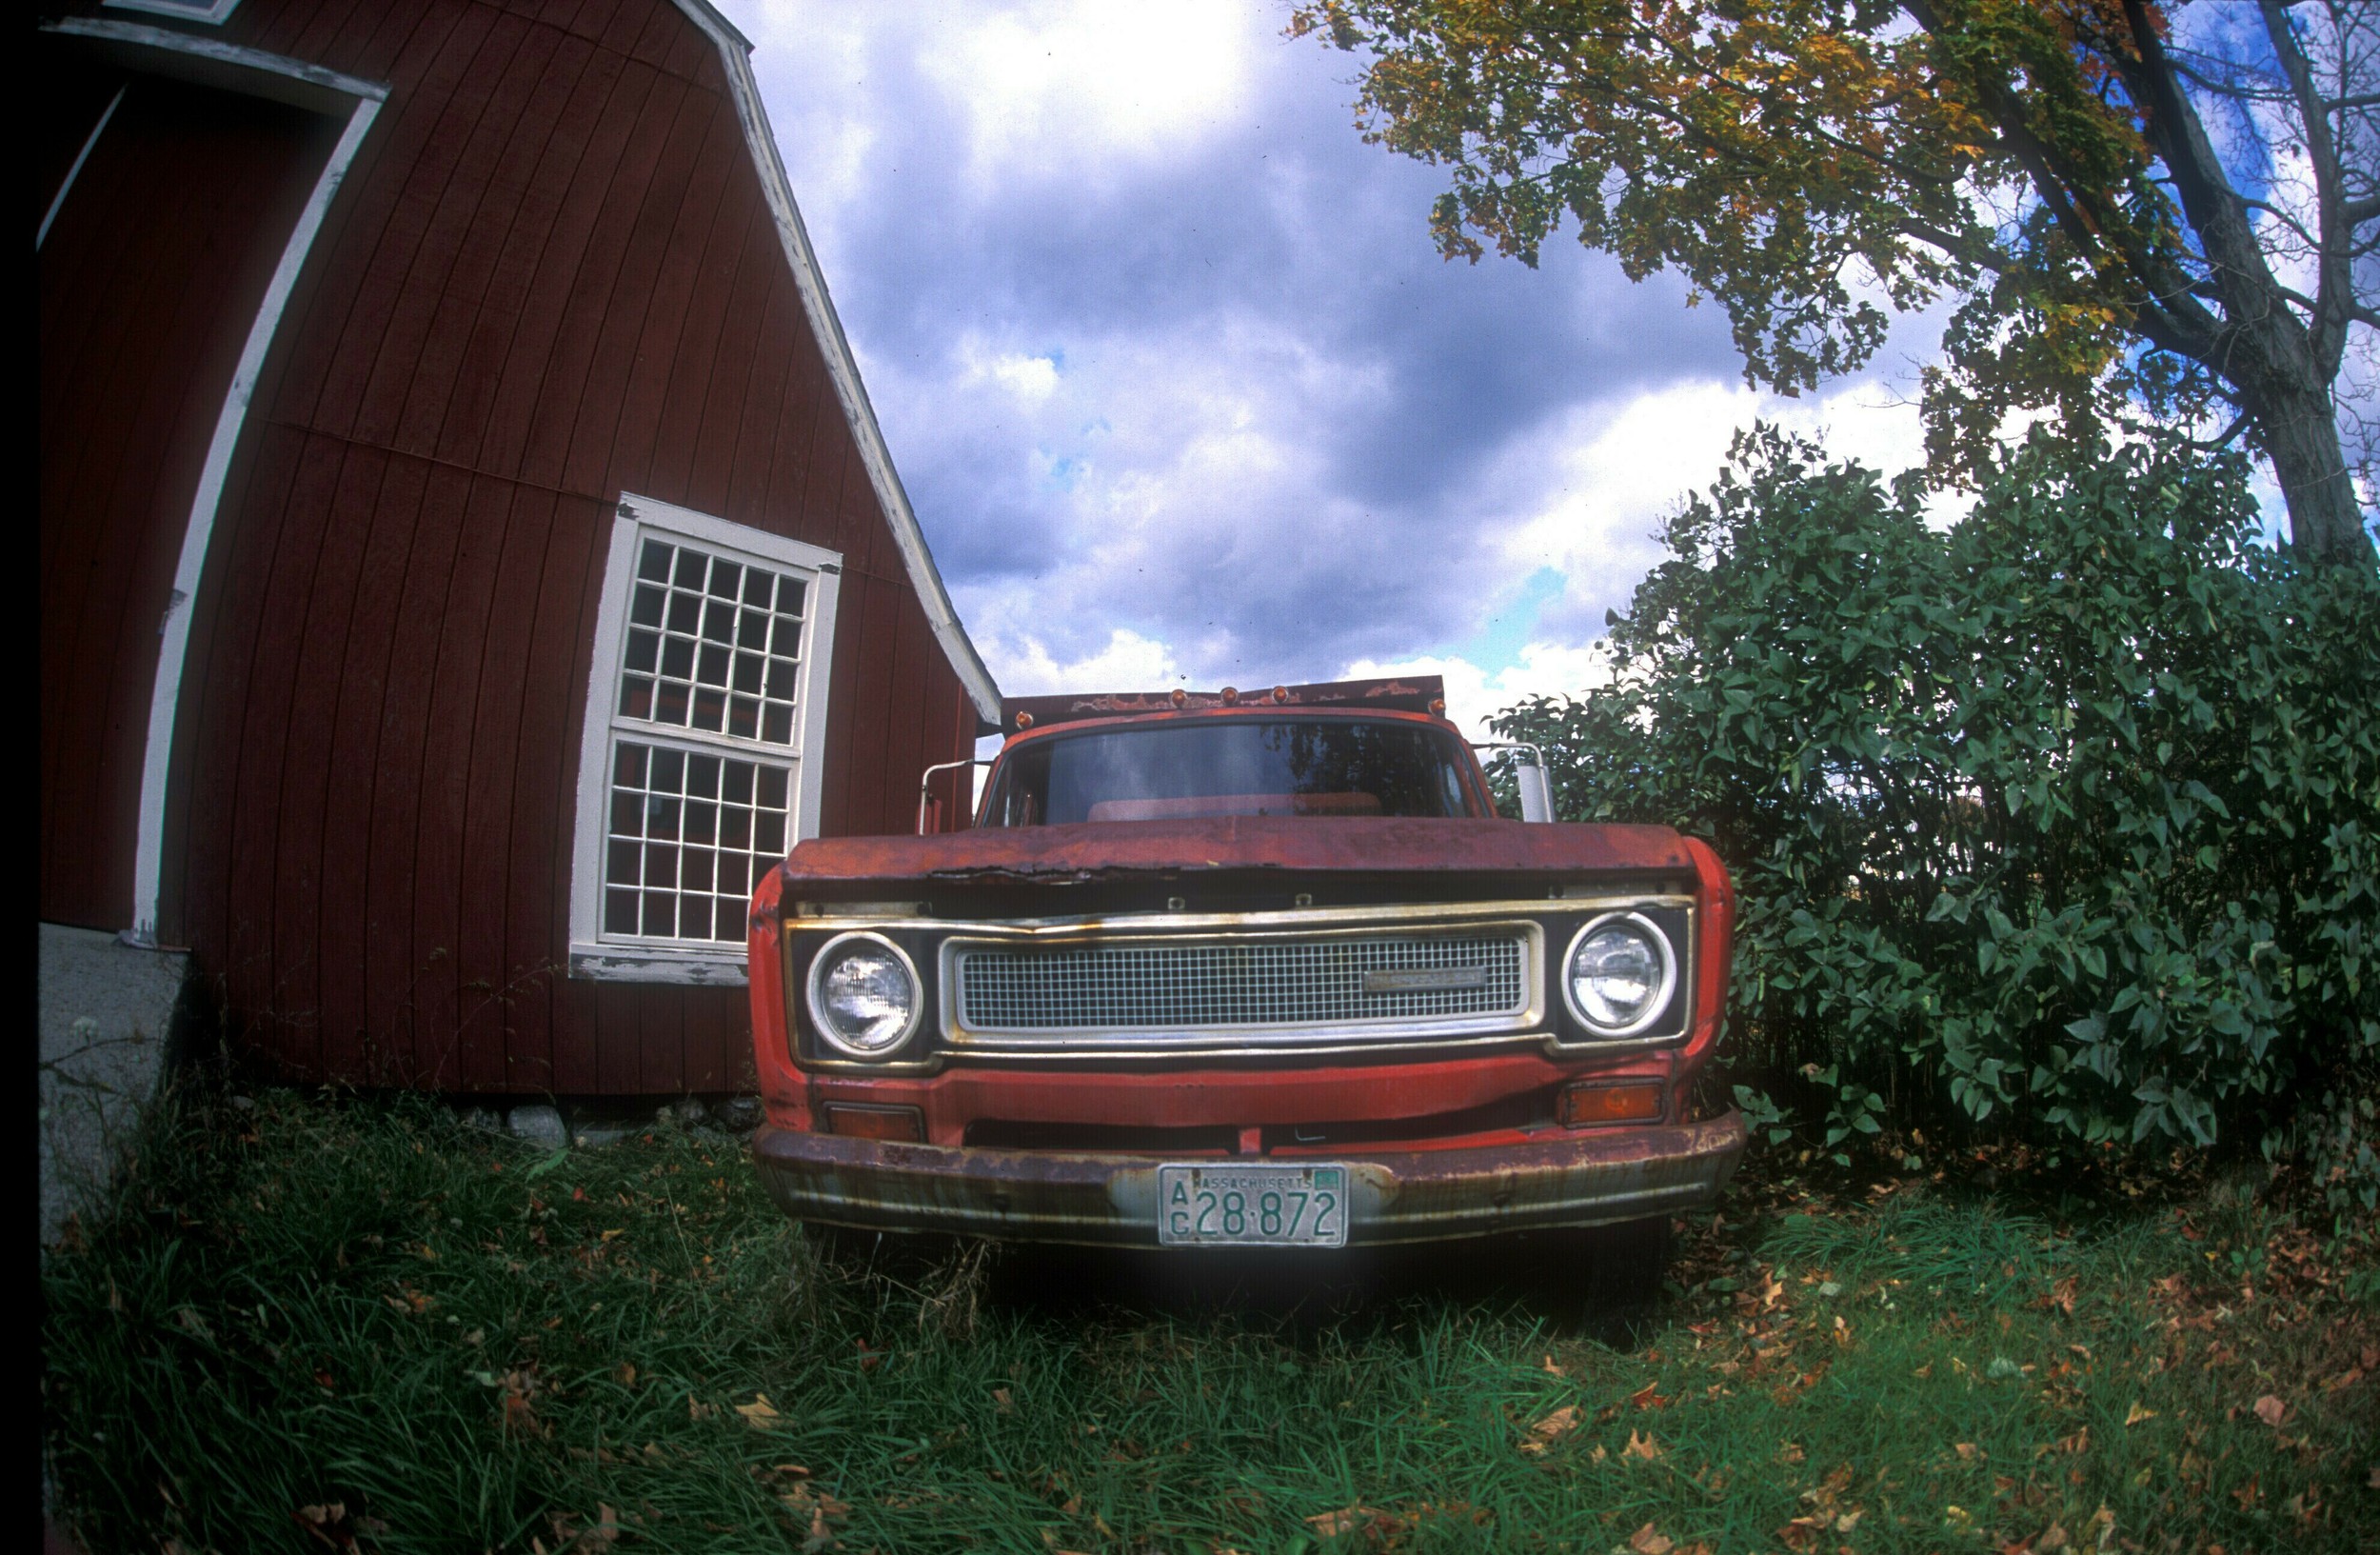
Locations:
{"points": [[1225, 969]]}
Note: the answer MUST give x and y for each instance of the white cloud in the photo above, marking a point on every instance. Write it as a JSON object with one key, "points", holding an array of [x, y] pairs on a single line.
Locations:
{"points": [[1031, 379]]}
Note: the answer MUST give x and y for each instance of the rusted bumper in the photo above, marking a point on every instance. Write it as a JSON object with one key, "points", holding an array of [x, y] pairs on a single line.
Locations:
{"points": [[1584, 1179]]}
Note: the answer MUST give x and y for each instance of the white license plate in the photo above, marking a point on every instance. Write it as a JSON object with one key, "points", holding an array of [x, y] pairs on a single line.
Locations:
{"points": [[1273, 1205]]}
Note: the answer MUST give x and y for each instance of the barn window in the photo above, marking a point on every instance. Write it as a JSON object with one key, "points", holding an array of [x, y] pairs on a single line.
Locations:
{"points": [[213, 11], [699, 768]]}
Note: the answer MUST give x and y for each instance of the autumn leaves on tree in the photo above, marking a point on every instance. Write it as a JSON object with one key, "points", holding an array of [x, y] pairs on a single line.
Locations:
{"points": [[2133, 217]]}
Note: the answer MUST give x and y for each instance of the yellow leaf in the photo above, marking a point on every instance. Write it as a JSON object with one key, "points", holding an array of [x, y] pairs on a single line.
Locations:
{"points": [[760, 1414], [2135, 1415]]}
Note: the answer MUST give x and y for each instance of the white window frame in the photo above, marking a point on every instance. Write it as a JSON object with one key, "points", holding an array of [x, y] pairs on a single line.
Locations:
{"points": [[211, 12], [593, 952]]}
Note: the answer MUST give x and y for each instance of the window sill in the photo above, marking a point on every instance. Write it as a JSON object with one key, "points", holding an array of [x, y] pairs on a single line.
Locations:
{"points": [[651, 964]]}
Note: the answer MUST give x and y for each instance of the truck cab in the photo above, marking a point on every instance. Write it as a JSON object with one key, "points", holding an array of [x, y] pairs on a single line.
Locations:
{"points": [[1242, 969]]}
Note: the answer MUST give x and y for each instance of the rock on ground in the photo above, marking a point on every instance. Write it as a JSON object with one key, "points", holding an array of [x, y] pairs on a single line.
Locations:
{"points": [[539, 1124]]}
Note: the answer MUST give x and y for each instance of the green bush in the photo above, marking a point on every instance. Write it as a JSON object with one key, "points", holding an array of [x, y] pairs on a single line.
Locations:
{"points": [[2063, 821]]}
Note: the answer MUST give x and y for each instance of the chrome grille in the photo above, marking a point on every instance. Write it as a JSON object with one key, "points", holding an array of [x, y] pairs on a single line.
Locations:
{"points": [[1239, 983]]}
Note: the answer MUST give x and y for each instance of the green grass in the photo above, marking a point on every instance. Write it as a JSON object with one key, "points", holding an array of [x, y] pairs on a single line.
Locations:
{"points": [[440, 1340]]}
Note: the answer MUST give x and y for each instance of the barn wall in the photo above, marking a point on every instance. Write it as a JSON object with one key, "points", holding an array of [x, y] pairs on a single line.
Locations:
{"points": [[550, 277]]}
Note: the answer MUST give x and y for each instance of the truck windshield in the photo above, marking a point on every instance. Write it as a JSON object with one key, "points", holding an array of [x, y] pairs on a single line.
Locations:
{"points": [[1231, 767]]}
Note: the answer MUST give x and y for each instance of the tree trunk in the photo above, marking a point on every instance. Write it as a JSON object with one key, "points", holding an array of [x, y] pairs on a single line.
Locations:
{"points": [[2298, 429]]}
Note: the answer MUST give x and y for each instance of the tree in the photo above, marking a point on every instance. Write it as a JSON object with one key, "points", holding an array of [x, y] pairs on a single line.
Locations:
{"points": [[2131, 214]]}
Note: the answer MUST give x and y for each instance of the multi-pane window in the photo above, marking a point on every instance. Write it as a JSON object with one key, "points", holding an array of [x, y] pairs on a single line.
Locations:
{"points": [[700, 712], [713, 644], [689, 835]]}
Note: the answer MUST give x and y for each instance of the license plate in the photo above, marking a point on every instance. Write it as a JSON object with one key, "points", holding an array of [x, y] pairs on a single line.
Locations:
{"points": [[1279, 1206]]}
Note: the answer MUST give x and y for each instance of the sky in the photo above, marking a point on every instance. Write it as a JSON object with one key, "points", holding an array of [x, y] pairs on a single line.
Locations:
{"points": [[1179, 387]]}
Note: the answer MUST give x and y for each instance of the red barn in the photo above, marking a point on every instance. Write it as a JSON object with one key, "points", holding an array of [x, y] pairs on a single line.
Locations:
{"points": [[467, 553]]}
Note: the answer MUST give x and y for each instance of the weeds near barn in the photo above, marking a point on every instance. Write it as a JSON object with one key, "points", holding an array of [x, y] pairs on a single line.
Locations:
{"points": [[362, 1325]]}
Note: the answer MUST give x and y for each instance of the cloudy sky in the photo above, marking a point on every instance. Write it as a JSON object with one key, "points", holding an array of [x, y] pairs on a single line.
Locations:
{"points": [[1178, 384]]}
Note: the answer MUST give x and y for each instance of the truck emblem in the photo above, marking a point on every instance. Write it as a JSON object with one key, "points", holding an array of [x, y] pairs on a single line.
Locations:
{"points": [[1425, 980]]}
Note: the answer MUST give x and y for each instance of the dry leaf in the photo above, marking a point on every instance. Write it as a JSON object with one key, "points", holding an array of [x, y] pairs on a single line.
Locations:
{"points": [[1645, 1541], [1641, 1447], [2052, 1537], [1554, 1370], [2062, 1295], [2271, 1410], [1968, 1450], [1544, 1432], [624, 1374], [1801, 1534], [1001, 1401], [1345, 1519], [760, 1414], [1645, 1398], [2135, 1415]]}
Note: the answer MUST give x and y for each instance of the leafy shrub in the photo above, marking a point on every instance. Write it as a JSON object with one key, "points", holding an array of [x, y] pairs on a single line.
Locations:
{"points": [[2063, 821]]}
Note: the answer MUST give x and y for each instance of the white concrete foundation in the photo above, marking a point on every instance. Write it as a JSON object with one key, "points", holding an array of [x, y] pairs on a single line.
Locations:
{"points": [[108, 1014]]}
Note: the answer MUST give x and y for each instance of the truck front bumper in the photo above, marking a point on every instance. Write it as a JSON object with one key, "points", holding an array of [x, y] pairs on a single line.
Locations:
{"points": [[1570, 1179]]}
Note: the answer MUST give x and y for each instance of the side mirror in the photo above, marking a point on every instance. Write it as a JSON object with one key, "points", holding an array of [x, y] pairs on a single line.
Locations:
{"points": [[930, 803], [1530, 777], [1537, 790]]}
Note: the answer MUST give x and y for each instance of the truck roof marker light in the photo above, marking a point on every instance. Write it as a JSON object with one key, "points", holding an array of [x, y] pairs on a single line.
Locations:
{"points": [[1025, 720], [1437, 707], [1230, 696], [1281, 693], [1181, 697]]}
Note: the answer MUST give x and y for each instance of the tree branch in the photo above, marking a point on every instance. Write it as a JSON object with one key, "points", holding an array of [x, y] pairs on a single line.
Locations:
{"points": [[2334, 289]]}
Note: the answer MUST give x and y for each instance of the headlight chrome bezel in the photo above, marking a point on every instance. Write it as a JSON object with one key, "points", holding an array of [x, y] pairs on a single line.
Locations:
{"points": [[825, 1029], [1664, 994]]}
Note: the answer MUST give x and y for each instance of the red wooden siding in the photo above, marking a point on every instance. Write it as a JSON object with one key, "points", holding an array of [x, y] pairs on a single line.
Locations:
{"points": [[150, 279], [550, 277]]}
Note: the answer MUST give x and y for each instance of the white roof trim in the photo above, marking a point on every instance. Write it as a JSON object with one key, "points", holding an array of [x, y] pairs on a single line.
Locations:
{"points": [[734, 55]]}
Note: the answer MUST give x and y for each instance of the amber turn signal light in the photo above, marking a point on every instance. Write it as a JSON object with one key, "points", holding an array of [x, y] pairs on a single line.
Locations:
{"points": [[1586, 1104], [904, 1123]]}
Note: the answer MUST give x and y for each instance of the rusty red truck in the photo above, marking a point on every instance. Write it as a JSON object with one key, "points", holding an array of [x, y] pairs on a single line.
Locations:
{"points": [[1225, 969]]}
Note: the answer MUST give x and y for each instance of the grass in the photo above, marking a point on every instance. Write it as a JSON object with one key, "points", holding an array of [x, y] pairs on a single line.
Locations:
{"points": [[313, 1323]]}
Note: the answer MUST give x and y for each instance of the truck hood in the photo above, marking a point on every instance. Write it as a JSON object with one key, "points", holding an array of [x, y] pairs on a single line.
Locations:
{"points": [[1112, 850]]}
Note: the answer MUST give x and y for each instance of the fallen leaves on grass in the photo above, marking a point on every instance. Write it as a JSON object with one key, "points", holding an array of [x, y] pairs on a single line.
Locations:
{"points": [[760, 1414], [520, 1386], [1641, 1447], [2135, 1415], [1648, 1397], [2271, 1410], [328, 1522], [1546, 1431], [1001, 1401], [1349, 1519]]}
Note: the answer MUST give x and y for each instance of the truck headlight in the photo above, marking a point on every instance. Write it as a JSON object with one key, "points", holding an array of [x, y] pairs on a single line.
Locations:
{"points": [[1619, 974], [864, 995]]}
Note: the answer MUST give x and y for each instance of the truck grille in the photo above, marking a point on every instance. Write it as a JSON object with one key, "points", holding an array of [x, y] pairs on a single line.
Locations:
{"points": [[1153, 990]]}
